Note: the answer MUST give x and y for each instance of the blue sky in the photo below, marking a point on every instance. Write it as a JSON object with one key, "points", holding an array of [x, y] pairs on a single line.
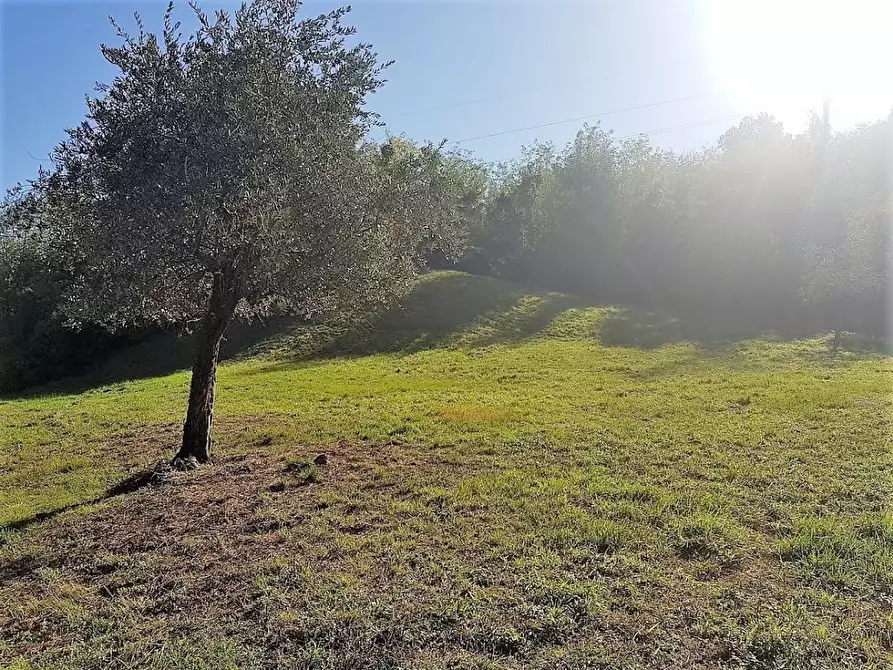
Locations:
{"points": [[535, 62]]}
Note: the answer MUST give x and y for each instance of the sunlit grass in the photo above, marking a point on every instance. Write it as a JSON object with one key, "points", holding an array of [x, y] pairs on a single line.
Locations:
{"points": [[546, 498]]}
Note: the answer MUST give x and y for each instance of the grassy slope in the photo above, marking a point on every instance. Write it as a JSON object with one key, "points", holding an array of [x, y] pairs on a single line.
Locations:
{"points": [[520, 494]]}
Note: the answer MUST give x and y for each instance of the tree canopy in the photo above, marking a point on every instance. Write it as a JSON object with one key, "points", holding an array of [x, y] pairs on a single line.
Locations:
{"points": [[226, 173]]}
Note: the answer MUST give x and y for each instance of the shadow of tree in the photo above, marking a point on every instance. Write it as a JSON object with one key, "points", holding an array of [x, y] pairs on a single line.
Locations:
{"points": [[444, 307], [454, 309], [720, 333], [159, 354], [530, 316], [154, 475], [644, 329]]}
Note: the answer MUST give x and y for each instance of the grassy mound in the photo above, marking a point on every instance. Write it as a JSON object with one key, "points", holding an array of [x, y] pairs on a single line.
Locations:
{"points": [[512, 480]]}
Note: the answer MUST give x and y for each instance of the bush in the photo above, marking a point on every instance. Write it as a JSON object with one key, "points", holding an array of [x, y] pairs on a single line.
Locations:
{"points": [[35, 344]]}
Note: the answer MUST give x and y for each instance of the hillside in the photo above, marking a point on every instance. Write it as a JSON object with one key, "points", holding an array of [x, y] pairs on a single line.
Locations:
{"points": [[513, 480]]}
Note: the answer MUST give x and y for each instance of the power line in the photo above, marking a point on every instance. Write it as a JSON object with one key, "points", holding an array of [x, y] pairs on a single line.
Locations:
{"points": [[659, 131], [584, 117], [465, 103], [685, 126]]}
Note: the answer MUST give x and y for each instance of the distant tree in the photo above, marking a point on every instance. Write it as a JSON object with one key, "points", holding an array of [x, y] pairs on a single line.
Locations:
{"points": [[583, 238], [840, 273], [651, 222], [846, 245], [748, 230], [30, 342], [521, 208], [452, 194], [35, 345], [224, 174]]}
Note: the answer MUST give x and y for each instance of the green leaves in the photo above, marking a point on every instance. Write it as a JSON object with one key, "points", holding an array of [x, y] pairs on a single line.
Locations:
{"points": [[234, 151], [739, 233]]}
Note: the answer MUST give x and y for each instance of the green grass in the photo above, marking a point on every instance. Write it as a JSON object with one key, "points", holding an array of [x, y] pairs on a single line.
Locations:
{"points": [[508, 487]]}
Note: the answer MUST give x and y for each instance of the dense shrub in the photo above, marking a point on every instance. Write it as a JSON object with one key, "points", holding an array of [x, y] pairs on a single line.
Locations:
{"points": [[35, 344]]}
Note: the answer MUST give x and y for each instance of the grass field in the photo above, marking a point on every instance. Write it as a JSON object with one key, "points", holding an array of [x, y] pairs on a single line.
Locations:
{"points": [[513, 480]]}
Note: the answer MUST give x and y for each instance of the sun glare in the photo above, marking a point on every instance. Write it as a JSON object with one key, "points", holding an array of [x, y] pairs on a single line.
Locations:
{"points": [[785, 57]]}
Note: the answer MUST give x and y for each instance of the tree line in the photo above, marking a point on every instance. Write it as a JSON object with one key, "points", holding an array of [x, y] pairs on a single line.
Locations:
{"points": [[226, 174], [763, 229]]}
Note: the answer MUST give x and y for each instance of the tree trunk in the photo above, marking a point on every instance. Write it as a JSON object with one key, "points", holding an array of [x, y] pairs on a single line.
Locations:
{"points": [[200, 413], [835, 345], [838, 325]]}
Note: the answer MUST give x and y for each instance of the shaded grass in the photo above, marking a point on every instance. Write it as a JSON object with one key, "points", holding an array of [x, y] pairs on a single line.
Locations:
{"points": [[504, 489]]}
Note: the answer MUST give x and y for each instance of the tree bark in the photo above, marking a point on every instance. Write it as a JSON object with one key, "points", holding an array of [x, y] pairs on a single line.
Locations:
{"points": [[200, 412]]}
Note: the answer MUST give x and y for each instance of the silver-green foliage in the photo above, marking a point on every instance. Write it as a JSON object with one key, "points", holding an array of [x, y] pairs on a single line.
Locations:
{"points": [[236, 154]]}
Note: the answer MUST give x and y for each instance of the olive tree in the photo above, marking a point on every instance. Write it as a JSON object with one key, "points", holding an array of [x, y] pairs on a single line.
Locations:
{"points": [[224, 174]]}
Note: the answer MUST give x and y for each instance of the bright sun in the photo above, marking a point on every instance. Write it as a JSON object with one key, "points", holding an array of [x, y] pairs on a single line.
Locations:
{"points": [[784, 57]]}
